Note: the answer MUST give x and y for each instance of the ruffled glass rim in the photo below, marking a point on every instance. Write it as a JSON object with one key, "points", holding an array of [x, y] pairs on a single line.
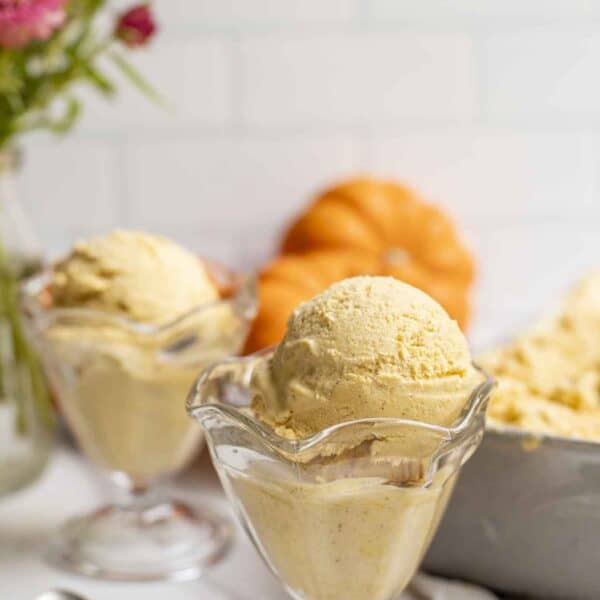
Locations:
{"points": [[199, 405]]}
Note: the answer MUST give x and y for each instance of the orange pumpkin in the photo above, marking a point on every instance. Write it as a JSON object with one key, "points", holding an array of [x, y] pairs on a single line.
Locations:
{"points": [[364, 226]]}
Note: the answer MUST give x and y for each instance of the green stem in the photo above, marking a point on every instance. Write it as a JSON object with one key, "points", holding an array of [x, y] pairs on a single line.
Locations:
{"points": [[26, 361]]}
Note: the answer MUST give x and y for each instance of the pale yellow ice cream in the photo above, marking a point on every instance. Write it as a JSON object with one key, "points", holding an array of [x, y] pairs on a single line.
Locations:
{"points": [[549, 377], [122, 383], [143, 277], [367, 347], [352, 516], [353, 538]]}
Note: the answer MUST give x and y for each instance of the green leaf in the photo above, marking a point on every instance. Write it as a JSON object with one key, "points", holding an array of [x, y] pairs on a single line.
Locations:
{"points": [[9, 79], [14, 101], [86, 8], [66, 121], [138, 81], [102, 83]]}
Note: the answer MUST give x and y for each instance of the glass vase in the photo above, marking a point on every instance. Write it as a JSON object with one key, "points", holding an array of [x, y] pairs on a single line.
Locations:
{"points": [[26, 416]]}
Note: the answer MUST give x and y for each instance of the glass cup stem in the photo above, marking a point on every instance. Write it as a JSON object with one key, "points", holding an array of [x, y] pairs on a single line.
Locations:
{"points": [[143, 536]]}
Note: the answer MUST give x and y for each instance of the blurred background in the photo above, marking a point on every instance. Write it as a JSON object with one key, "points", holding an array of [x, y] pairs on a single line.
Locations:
{"points": [[489, 108]]}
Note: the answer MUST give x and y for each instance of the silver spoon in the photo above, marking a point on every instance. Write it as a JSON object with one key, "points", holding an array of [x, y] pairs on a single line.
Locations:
{"points": [[59, 595]]}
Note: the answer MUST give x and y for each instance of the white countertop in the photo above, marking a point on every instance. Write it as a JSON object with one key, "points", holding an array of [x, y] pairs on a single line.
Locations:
{"points": [[70, 487]]}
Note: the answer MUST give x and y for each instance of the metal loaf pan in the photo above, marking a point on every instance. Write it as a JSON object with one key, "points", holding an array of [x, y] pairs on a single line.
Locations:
{"points": [[525, 518]]}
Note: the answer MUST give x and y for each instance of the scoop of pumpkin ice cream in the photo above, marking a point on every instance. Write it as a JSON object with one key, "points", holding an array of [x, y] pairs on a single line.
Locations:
{"points": [[367, 347], [143, 277]]}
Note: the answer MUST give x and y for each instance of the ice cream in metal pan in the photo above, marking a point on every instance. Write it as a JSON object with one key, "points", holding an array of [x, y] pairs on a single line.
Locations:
{"points": [[549, 376], [527, 505]]}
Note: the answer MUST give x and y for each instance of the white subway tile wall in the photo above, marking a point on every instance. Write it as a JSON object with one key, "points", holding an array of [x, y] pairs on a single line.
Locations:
{"points": [[193, 76], [489, 107], [538, 74], [345, 79], [409, 10], [231, 183], [235, 13]]}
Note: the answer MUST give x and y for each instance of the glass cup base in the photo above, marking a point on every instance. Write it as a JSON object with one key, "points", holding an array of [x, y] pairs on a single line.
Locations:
{"points": [[169, 541]]}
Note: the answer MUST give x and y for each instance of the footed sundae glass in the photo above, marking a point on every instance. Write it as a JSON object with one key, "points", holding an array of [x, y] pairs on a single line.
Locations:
{"points": [[347, 513], [121, 387]]}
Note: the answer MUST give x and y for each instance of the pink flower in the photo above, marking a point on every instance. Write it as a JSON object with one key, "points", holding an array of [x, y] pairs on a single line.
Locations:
{"points": [[136, 26], [22, 21]]}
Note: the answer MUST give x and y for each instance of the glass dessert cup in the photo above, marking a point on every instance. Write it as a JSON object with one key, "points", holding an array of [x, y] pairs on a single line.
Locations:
{"points": [[121, 387], [347, 513]]}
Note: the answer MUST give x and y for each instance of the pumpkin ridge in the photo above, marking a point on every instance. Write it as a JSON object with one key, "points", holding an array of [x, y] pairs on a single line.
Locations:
{"points": [[314, 228], [348, 199]]}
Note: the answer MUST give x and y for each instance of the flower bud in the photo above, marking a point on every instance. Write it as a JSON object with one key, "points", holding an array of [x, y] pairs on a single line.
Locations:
{"points": [[136, 26]]}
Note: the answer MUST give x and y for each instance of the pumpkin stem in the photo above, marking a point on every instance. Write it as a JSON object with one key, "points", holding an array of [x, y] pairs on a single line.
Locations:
{"points": [[396, 256]]}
